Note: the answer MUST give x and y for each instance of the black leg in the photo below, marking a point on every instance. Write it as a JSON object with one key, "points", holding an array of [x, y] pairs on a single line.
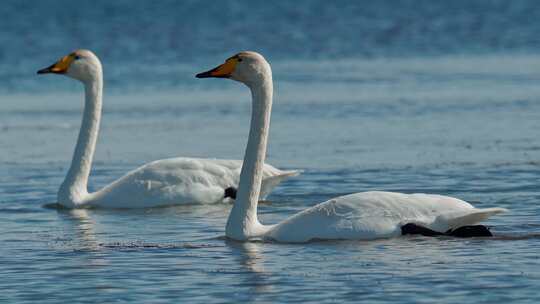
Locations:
{"points": [[470, 231], [230, 192], [411, 228], [462, 232]]}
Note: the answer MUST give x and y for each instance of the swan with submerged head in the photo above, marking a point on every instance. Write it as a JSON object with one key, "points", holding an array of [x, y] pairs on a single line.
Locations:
{"points": [[360, 216], [159, 183]]}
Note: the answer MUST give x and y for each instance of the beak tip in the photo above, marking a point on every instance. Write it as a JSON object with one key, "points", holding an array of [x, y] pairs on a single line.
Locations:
{"points": [[203, 75], [44, 71]]}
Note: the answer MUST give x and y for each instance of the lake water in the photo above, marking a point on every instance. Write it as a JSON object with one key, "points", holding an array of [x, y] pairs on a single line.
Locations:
{"points": [[409, 96]]}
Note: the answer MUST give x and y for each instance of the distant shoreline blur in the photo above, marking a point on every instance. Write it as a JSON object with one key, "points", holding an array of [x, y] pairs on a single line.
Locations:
{"points": [[143, 39]]}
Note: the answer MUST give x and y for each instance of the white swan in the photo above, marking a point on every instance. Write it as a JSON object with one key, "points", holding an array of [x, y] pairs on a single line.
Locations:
{"points": [[163, 182], [366, 215]]}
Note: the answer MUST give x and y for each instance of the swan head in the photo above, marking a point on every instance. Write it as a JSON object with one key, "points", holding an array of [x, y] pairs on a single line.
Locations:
{"points": [[82, 65], [247, 67]]}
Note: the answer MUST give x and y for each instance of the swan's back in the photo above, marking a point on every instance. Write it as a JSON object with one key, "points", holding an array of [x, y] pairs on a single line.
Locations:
{"points": [[180, 180], [372, 215]]}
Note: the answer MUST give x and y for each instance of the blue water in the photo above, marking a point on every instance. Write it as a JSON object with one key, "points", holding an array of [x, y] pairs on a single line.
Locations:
{"points": [[410, 96]]}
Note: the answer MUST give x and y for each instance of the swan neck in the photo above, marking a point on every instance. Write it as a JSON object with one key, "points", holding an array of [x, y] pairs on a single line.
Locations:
{"points": [[75, 186], [243, 223]]}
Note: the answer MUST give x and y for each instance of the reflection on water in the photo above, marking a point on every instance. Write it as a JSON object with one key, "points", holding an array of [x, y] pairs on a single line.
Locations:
{"points": [[83, 226], [178, 252], [252, 260]]}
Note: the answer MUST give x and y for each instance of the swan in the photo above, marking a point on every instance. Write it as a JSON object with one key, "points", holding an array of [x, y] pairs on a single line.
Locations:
{"points": [[163, 182], [358, 216]]}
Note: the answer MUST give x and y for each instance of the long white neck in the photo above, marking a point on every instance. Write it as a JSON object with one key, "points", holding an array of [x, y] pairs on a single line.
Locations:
{"points": [[75, 186], [243, 223]]}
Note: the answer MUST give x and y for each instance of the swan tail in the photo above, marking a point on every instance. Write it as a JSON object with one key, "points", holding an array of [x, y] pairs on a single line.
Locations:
{"points": [[290, 173], [271, 182], [472, 217]]}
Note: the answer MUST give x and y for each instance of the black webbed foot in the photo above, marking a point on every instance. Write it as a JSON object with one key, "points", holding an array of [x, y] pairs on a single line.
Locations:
{"points": [[462, 232], [230, 192], [470, 231], [411, 228]]}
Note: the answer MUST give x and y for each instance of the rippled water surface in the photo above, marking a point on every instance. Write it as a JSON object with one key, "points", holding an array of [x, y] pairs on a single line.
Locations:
{"points": [[417, 104]]}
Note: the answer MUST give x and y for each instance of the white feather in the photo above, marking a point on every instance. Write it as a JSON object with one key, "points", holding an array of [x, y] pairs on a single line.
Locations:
{"points": [[159, 183], [179, 181], [359, 216], [372, 215]]}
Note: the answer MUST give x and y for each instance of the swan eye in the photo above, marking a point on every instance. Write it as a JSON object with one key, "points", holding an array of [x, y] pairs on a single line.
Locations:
{"points": [[239, 59], [77, 57]]}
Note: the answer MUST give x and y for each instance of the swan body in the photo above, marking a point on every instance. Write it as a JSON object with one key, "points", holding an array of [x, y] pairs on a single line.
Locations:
{"points": [[358, 216], [181, 179], [373, 215], [163, 182]]}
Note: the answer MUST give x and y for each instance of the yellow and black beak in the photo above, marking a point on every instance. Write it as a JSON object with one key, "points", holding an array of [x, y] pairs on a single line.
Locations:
{"points": [[60, 67], [223, 71]]}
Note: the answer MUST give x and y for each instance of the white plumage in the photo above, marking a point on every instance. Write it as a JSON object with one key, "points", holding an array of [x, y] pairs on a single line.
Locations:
{"points": [[374, 214], [180, 181], [359, 216], [159, 183]]}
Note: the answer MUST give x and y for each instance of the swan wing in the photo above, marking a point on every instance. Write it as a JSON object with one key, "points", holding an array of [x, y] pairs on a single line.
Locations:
{"points": [[372, 215], [272, 176], [173, 181]]}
